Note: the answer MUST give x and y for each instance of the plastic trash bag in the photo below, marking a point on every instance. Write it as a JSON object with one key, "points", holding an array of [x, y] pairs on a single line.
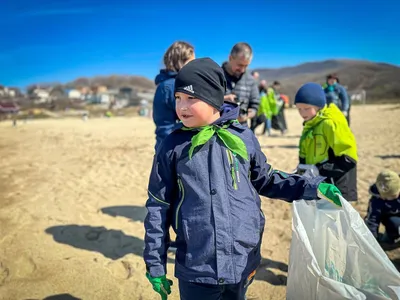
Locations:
{"points": [[333, 255], [309, 171]]}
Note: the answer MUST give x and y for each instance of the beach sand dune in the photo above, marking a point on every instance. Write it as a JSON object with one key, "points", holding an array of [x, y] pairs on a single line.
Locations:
{"points": [[72, 197]]}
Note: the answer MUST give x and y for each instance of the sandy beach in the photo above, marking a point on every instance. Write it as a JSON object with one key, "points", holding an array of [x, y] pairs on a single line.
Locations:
{"points": [[72, 198]]}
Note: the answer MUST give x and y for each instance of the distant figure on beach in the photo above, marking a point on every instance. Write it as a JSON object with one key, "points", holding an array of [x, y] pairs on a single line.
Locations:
{"points": [[384, 207], [278, 121], [337, 94], [164, 115], [264, 114]]}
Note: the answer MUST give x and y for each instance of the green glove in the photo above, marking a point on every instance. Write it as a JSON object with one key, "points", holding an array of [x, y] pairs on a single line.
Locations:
{"points": [[329, 192], [161, 285]]}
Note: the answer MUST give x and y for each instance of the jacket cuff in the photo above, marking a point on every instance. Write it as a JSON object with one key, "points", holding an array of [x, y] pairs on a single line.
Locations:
{"points": [[157, 271], [311, 189]]}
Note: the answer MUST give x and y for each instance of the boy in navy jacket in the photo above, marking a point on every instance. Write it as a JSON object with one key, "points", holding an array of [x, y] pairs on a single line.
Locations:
{"points": [[205, 182], [384, 207]]}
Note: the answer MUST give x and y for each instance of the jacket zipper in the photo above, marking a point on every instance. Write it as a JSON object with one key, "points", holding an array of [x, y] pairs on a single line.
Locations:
{"points": [[182, 190], [231, 161]]}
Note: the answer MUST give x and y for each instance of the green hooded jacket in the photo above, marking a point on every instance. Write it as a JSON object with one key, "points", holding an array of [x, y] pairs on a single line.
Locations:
{"points": [[327, 130], [267, 105]]}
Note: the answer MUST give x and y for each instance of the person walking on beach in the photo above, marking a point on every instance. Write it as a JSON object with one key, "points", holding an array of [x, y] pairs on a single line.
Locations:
{"points": [[164, 115], [337, 94]]}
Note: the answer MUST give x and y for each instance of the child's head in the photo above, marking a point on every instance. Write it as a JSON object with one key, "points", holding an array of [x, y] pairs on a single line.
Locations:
{"points": [[276, 85], [332, 79], [388, 184], [199, 91], [177, 55], [309, 99]]}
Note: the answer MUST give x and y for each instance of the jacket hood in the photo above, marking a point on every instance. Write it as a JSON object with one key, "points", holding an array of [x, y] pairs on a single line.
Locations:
{"points": [[373, 191], [229, 111], [164, 75], [328, 112]]}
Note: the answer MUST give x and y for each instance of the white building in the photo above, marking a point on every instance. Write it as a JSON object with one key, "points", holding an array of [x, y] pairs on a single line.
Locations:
{"points": [[74, 94]]}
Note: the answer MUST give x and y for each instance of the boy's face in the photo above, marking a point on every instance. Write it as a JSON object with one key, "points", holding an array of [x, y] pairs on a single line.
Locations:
{"points": [[391, 198], [307, 111], [194, 112]]}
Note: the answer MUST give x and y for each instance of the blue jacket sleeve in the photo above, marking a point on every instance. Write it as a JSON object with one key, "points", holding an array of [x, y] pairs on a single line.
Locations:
{"points": [[161, 191], [344, 98], [373, 218], [280, 185]]}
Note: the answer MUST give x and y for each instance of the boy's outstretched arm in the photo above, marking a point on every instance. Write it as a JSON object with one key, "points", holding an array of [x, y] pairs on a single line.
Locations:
{"points": [[161, 191], [276, 184]]}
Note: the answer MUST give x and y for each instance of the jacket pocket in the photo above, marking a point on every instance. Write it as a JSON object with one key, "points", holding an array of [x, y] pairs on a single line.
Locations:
{"points": [[234, 168], [182, 193]]}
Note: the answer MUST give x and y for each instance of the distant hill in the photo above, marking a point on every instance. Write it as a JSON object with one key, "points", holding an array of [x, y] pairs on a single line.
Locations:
{"points": [[114, 81], [139, 83], [381, 81]]}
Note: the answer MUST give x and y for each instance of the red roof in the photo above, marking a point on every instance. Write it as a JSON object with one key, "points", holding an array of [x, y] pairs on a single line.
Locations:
{"points": [[7, 107]]}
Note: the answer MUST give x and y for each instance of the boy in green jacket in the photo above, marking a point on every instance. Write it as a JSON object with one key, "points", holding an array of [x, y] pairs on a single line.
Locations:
{"points": [[327, 141]]}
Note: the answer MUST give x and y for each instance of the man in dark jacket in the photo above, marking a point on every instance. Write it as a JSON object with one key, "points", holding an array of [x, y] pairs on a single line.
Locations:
{"points": [[241, 87], [205, 183], [384, 207]]}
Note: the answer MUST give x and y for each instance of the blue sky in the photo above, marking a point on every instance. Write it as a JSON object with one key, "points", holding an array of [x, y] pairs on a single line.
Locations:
{"points": [[49, 41]]}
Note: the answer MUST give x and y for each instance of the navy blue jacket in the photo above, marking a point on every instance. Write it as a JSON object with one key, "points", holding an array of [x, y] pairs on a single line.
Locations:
{"points": [[164, 115], [212, 202], [380, 210]]}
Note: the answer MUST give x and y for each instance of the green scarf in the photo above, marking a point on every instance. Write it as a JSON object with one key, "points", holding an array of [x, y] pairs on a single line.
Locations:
{"points": [[231, 141]]}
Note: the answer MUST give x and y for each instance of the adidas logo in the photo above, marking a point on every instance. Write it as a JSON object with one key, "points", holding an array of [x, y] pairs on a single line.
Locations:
{"points": [[189, 88]]}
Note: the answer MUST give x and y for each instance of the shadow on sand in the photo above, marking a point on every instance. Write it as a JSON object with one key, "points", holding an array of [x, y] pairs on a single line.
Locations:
{"points": [[113, 244], [264, 272], [132, 212], [392, 156]]}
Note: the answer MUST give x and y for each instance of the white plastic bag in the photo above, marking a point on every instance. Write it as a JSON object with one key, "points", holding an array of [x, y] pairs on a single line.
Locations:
{"points": [[333, 255]]}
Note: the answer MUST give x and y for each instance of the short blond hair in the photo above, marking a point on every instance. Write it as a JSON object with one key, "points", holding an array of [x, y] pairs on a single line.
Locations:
{"points": [[177, 55]]}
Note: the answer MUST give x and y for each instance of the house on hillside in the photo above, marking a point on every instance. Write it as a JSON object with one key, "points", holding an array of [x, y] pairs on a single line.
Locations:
{"points": [[99, 89], [73, 94], [57, 93], [149, 96], [40, 95], [9, 92], [127, 92]]}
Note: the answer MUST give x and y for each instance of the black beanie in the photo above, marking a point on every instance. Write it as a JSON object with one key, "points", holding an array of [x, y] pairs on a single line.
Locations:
{"points": [[204, 79]]}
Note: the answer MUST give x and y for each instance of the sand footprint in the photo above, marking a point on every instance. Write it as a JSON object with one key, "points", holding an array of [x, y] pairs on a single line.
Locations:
{"points": [[24, 266], [4, 273], [120, 269]]}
